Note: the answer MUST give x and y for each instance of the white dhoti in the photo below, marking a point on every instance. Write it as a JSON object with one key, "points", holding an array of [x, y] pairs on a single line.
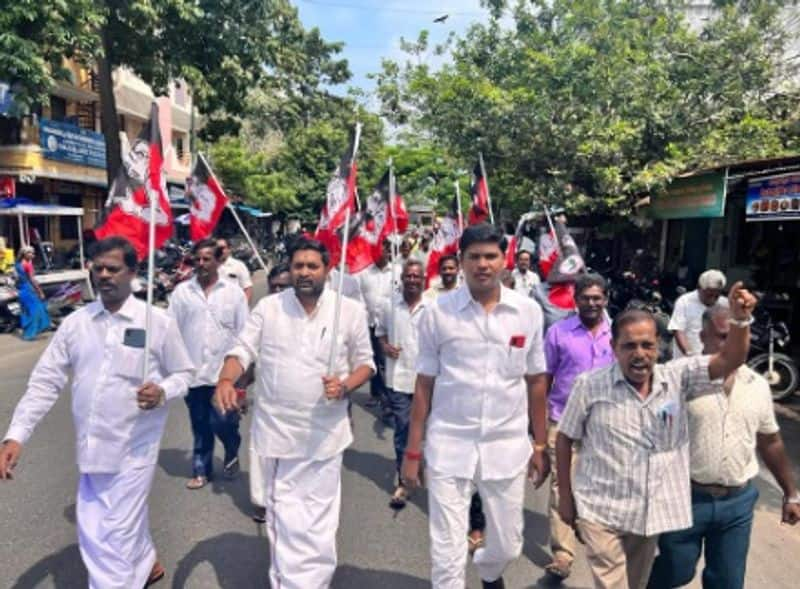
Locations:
{"points": [[113, 528], [303, 497], [257, 491], [448, 502]]}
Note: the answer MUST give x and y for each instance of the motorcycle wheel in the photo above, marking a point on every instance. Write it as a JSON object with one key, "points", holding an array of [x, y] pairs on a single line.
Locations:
{"points": [[785, 376]]}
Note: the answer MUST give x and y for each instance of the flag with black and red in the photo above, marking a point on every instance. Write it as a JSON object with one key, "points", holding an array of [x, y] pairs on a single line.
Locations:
{"points": [[207, 201], [339, 197], [380, 217], [479, 211], [140, 181], [445, 240]]}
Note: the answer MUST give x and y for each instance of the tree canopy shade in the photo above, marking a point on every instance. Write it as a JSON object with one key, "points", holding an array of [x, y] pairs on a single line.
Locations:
{"points": [[222, 48], [591, 103]]}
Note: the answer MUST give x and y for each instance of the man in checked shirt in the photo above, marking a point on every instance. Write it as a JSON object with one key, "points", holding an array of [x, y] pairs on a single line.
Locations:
{"points": [[632, 480]]}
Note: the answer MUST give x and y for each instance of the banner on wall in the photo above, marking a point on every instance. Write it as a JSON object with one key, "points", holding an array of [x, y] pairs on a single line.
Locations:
{"points": [[774, 198], [690, 197]]}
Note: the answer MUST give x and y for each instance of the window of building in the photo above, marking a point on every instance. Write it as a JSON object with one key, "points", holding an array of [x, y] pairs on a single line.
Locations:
{"points": [[180, 94], [122, 123], [58, 108], [179, 149]]}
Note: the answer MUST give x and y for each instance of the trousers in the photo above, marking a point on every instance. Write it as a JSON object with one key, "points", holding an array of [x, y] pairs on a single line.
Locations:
{"points": [[449, 501], [207, 422]]}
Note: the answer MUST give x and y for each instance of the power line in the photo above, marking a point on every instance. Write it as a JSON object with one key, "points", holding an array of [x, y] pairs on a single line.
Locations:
{"points": [[379, 8]]}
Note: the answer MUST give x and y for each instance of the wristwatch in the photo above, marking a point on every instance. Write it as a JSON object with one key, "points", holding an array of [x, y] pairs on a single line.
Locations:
{"points": [[795, 499]]}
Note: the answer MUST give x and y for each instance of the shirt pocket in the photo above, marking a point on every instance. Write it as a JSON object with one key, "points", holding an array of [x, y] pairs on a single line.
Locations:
{"points": [[129, 364], [515, 362]]}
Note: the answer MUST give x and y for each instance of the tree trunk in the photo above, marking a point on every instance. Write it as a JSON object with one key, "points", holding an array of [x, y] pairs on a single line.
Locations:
{"points": [[108, 113]]}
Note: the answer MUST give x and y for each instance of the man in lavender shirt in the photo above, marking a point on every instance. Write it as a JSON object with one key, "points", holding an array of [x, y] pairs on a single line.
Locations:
{"points": [[573, 345]]}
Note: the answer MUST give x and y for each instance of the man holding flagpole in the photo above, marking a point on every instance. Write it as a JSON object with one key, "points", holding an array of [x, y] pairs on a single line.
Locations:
{"points": [[118, 420], [300, 423]]}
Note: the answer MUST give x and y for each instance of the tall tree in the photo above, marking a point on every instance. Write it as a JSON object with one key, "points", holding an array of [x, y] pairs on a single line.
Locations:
{"points": [[590, 104]]}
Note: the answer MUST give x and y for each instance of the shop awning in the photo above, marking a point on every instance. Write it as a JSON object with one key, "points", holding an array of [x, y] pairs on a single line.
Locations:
{"points": [[253, 212], [8, 208]]}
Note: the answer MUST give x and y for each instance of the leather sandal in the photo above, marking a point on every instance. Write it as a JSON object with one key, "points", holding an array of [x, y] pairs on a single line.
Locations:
{"points": [[559, 568], [475, 540], [196, 483], [156, 574], [399, 498]]}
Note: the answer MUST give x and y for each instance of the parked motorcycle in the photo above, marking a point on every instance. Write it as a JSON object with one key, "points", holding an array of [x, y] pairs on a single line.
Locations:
{"points": [[769, 342], [10, 309], [62, 299]]}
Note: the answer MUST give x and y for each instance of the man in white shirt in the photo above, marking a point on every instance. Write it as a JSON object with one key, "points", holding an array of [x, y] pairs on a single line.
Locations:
{"points": [[728, 430], [687, 317], [397, 331], [234, 270], [350, 287], [210, 312], [118, 420], [525, 277], [300, 423], [480, 375], [379, 283], [448, 278]]}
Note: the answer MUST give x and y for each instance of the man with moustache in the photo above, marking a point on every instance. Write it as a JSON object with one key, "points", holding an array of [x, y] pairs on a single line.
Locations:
{"points": [[729, 429], [118, 420], [448, 274], [525, 277], [300, 424], [631, 482], [480, 392], [397, 331], [210, 312], [574, 345], [234, 270]]}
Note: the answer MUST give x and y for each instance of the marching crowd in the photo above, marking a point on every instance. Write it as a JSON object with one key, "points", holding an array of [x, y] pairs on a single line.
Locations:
{"points": [[649, 464]]}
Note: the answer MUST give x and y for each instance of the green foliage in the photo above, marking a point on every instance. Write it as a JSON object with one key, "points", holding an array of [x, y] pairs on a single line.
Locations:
{"points": [[36, 36], [590, 104]]}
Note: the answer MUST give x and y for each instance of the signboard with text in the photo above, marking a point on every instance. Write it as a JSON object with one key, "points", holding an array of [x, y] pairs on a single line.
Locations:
{"points": [[693, 196], [69, 143], [775, 198]]}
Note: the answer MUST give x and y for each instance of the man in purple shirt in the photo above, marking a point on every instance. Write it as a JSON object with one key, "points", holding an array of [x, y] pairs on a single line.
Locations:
{"points": [[573, 345]]}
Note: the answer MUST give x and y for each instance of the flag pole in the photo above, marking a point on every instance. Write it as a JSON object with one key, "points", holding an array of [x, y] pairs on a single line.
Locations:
{"points": [[488, 192], [235, 215], [342, 264], [151, 258], [552, 229], [392, 188], [458, 200]]}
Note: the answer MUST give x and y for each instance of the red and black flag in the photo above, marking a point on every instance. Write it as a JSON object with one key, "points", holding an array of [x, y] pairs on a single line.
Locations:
{"points": [[208, 201], [139, 182], [479, 211], [340, 195], [445, 240], [380, 217]]}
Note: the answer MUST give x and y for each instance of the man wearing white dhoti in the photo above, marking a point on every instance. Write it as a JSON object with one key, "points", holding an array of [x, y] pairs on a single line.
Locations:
{"points": [[300, 423], [118, 420]]}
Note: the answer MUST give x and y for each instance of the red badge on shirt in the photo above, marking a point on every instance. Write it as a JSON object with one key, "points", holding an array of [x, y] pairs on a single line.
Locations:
{"points": [[517, 341]]}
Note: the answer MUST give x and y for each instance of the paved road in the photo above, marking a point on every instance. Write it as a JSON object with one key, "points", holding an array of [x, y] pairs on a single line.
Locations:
{"points": [[206, 540]]}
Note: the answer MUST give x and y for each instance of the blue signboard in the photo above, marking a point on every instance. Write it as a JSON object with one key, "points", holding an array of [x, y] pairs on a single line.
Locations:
{"points": [[776, 198], [6, 99], [69, 143]]}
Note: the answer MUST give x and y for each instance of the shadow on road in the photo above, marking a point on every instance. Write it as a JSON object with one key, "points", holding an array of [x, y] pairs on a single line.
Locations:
{"points": [[177, 463], [348, 577], [238, 561], [65, 569], [537, 538]]}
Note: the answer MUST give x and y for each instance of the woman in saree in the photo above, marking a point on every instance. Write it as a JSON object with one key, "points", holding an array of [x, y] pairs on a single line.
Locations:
{"points": [[35, 318]]}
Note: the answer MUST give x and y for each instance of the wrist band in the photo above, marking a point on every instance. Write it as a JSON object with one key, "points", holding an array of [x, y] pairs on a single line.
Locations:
{"points": [[539, 446], [741, 322], [794, 500], [413, 455]]}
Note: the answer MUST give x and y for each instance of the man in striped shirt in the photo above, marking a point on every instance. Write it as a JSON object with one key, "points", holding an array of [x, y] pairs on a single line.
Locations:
{"points": [[632, 479]]}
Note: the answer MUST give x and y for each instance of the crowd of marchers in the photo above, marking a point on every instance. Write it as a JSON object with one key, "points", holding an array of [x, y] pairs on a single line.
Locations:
{"points": [[650, 465]]}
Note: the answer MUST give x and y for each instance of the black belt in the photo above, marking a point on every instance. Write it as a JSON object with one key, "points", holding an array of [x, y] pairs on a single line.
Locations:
{"points": [[717, 491]]}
